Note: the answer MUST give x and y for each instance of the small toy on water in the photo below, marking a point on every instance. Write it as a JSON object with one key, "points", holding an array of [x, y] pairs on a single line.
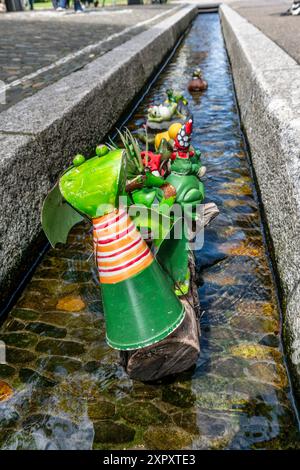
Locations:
{"points": [[197, 83]]}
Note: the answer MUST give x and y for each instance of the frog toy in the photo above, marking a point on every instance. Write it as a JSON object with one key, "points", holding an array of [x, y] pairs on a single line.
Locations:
{"points": [[175, 97], [162, 112], [186, 171]]}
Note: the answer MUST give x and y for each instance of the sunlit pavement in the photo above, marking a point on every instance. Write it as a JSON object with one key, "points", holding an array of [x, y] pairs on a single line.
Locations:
{"points": [[38, 48], [266, 16]]}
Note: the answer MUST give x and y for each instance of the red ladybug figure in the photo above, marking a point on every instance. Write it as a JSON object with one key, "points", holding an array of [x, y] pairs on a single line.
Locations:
{"points": [[183, 140]]}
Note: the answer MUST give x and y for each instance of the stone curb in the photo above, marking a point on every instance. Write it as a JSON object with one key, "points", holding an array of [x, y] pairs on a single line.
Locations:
{"points": [[40, 135], [267, 82]]}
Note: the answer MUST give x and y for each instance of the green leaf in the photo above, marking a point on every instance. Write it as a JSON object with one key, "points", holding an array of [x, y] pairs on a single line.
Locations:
{"points": [[58, 217]]}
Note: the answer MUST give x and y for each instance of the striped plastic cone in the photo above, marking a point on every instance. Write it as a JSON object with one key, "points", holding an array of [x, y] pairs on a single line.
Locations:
{"points": [[140, 305]]}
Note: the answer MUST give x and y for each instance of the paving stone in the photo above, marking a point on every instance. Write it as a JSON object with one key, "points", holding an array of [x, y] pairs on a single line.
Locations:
{"points": [[101, 410], [143, 414], [110, 432], [59, 365], [19, 356], [68, 348], [30, 376], [44, 329], [171, 437]]}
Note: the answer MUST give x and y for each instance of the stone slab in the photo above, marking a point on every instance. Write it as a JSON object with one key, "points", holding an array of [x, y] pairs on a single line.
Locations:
{"points": [[268, 93]]}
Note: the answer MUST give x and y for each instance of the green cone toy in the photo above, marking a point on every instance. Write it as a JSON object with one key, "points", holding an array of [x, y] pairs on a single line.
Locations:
{"points": [[140, 305]]}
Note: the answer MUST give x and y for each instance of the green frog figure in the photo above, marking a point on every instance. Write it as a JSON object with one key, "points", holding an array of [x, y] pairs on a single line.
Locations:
{"points": [[186, 169]]}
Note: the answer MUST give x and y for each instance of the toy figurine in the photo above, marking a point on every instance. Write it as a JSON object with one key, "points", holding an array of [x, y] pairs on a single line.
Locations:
{"points": [[162, 112], [170, 134], [186, 169], [175, 97], [148, 288], [140, 306], [197, 83], [174, 108]]}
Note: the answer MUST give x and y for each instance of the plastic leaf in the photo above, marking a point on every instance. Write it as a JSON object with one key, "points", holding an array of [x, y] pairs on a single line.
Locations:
{"points": [[58, 217]]}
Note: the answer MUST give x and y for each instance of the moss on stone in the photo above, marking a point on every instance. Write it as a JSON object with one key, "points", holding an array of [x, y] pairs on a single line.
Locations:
{"points": [[178, 396], [255, 351], [142, 413], [110, 432], [101, 410], [166, 438]]}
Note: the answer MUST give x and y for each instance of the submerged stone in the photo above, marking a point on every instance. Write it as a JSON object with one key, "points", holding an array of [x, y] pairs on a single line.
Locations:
{"points": [[143, 413], [270, 373], [71, 303], [19, 340], [44, 329], [5, 434], [114, 433], [19, 356], [187, 421], [165, 438], [59, 365], [145, 391], [177, 396], [51, 425], [6, 371], [24, 314], [101, 410], [86, 334], [8, 417], [270, 340], [60, 348], [6, 391], [15, 325], [255, 351], [30, 376], [256, 324], [56, 318], [76, 276], [229, 367]]}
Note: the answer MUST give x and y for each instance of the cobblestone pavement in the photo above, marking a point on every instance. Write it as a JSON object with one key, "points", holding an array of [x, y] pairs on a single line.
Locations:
{"points": [[32, 41], [62, 386]]}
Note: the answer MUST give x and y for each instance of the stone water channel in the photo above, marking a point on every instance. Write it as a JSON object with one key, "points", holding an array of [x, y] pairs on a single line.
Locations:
{"points": [[62, 387]]}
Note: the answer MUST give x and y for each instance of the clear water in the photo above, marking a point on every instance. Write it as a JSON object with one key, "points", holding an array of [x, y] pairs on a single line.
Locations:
{"points": [[63, 386]]}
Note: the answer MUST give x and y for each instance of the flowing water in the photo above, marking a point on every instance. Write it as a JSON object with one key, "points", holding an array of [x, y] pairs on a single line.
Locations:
{"points": [[62, 387]]}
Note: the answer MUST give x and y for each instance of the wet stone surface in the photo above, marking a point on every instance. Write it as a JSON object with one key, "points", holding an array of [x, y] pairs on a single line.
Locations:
{"points": [[62, 386]]}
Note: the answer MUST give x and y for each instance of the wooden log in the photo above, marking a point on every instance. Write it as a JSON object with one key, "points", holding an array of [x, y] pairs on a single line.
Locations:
{"points": [[180, 350]]}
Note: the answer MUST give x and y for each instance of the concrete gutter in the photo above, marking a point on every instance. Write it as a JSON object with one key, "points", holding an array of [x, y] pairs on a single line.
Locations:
{"points": [[40, 135], [267, 83]]}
